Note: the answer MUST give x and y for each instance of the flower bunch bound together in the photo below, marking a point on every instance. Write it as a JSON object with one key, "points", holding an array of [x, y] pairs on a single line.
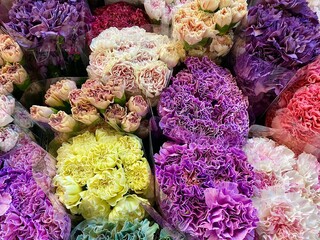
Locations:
{"points": [[49, 27], [90, 229], [103, 174], [26, 211], [141, 59], [288, 191], [89, 104], [119, 15], [11, 71], [278, 38], [161, 10], [296, 111], [315, 6], [203, 102], [205, 190], [205, 26]]}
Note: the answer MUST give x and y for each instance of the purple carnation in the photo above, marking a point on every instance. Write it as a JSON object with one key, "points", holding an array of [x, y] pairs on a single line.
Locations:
{"points": [[204, 102], [25, 210], [184, 172], [279, 37]]}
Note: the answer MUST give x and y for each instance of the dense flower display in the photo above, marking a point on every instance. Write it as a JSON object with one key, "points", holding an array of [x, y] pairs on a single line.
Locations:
{"points": [[288, 191], [93, 228], [201, 184], [119, 15], [26, 211], [132, 55], [205, 27], [315, 6], [278, 38], [296, 112], [50, 29], [203, 102], [99, 175]]}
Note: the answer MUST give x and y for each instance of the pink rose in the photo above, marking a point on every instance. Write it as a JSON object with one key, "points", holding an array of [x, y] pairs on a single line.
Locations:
{"points": [[138, 105], [153, 78]]}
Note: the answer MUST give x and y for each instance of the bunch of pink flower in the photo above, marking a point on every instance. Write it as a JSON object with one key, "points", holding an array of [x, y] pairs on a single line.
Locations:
{"points": [[287, 194], [141, 59], [90, 104], [119, 15]]}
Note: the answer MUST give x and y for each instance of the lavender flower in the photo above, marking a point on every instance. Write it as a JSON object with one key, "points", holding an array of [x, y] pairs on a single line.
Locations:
{"points": [[204, 102], [25, 210], [278, 38], [185, 173]]}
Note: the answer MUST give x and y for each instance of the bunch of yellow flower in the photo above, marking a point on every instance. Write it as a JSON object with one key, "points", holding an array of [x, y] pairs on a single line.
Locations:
{"points": [[101, 174]]}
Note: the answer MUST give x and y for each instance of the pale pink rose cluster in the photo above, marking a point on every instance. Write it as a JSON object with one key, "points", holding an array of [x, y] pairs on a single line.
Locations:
{"points": [[94, 102], [141, 59], [288, 191], [11, 72], [163, 10], [206, 26]]}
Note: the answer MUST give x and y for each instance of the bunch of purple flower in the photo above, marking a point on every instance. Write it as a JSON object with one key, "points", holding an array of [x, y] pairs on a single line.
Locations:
{"points": [[205, 190], [26, 211], [204, 102], [278, 38]]}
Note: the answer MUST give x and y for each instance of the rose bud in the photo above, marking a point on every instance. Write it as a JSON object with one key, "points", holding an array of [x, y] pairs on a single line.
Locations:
{"points": [[138, 105], [7, 104], [85, 113], [6, 85], [5, 118], [209, 5], [115, 113], [8, 138], [65, 87], [41, 113], [77, 97], [100, 97], [16, 73], [62, 122], [223, 17], [52, 98], [131, 122], [10, 51]]}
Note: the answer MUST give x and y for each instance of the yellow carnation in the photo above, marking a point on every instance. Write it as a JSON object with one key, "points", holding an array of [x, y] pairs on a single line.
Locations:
{"points": [[138, 176], [128, 208], [107, 135], [110, 185], [68, 191], [103, 156], [92, 206]]}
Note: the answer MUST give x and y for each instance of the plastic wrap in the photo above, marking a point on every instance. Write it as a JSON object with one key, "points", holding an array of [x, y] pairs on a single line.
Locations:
{"points": [[294, 115], [54, 46], [265, 56]]}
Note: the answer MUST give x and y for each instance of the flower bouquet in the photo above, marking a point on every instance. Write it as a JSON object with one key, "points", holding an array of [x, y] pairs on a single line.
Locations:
{"points": [[141, 59], [52, 33], [119, 15], [295, 114], [287, 191], [203, 176], [277, 38], [205, 26], [27, 212], [12, 73], [70, 109], [102, 228], [104, 174]]}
